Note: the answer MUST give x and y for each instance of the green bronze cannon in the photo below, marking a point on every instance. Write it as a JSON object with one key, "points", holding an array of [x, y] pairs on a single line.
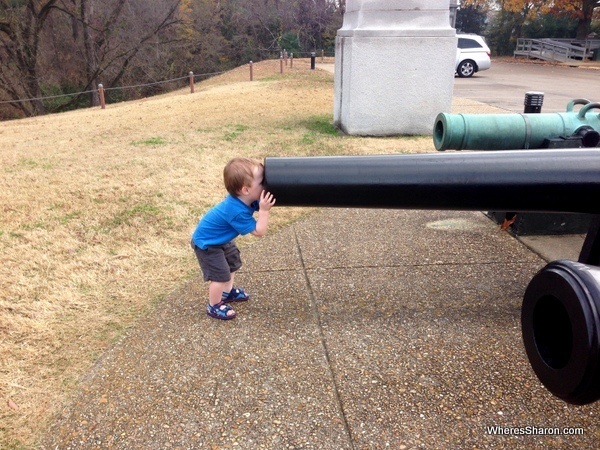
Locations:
{"points": [[518, 131]]}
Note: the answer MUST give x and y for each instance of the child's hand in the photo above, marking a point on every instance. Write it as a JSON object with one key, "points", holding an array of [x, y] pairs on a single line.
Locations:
{"points": [[266, 201]]}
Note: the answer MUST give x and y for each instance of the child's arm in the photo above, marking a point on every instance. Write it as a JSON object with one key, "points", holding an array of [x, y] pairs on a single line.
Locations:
{"points": [[266, 202]]}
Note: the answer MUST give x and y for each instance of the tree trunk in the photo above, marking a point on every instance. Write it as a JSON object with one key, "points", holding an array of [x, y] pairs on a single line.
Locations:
{"points": [[91, 62], [584, 24], [19, 38]]}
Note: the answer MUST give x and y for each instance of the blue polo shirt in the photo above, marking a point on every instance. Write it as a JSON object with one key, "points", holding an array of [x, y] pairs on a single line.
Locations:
{"points": [[224, 222]]}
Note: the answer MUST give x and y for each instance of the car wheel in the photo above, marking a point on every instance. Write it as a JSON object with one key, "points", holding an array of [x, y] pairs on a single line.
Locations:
{"points": [[466, 69]]}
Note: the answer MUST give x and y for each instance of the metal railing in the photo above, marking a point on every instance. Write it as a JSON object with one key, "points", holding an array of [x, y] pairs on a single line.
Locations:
{"points": [[562, 50]]}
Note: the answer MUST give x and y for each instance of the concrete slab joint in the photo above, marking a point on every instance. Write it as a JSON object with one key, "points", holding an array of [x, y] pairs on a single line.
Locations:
{"points": [[394, 66]]}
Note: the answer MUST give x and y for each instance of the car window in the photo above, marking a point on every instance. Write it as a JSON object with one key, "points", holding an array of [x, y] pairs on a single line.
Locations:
{"points": [[468, 43]]}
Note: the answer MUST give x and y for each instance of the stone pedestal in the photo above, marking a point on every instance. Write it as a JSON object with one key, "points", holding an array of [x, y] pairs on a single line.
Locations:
{"points": [[394, 66]]}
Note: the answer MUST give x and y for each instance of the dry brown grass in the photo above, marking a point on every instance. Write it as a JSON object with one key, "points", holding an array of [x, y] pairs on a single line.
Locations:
{"points": [[97, 208]]}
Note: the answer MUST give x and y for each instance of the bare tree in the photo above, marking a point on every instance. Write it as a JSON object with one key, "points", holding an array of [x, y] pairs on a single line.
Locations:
{"points": [[114, 32], [105, 37], [21, 24]]}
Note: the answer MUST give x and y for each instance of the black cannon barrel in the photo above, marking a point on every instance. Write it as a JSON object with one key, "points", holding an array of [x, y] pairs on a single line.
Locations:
{"points": [[533, 180]]}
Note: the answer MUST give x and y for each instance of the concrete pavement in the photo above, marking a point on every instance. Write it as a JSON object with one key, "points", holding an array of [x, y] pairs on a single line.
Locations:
{"points": [[368, 329]]}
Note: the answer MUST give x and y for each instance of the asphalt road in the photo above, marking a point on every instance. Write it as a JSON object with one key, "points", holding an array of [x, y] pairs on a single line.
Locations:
{"points": [[504, 85]]}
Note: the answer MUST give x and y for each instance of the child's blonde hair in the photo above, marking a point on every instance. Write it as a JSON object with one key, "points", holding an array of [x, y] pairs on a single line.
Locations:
{"points": [[239, 172]]}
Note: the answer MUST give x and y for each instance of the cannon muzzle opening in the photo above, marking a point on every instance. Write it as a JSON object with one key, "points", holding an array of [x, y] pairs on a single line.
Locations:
{"points": [[560, 322], [440, 140]]}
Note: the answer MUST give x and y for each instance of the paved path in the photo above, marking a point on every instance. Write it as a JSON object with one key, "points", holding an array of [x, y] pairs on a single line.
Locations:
{"points": [[368, 329], [505, 84]]}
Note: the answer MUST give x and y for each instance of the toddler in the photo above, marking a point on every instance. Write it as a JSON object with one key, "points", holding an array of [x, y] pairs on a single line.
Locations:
{"points": [[213, 239]]}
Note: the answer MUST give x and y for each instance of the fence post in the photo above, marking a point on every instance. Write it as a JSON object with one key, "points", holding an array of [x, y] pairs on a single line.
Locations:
{"points": [[101, 95], [191, 82], [322, 54], [281, 63], [251, 76], [291, 60], [285, 57]]}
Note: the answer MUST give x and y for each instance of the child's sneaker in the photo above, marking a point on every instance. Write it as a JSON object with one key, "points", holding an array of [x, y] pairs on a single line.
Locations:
{"points": [[235, 295], [219, 311]]}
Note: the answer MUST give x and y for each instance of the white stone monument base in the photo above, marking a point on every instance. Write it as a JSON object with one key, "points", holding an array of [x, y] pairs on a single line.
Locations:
{"points": [[394, 67], [393, 85]]}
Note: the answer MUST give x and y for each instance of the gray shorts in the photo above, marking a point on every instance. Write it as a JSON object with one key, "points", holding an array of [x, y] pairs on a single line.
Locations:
{"points": [[218, 262]]}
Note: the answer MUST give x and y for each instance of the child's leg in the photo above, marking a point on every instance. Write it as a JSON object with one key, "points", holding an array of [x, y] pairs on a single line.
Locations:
{"points": [[214, 266], [216, 289], [215, 293], [232, 255]]}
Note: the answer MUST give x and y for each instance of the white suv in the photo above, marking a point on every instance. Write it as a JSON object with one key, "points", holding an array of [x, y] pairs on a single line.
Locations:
{"points": [[472, 55]]}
